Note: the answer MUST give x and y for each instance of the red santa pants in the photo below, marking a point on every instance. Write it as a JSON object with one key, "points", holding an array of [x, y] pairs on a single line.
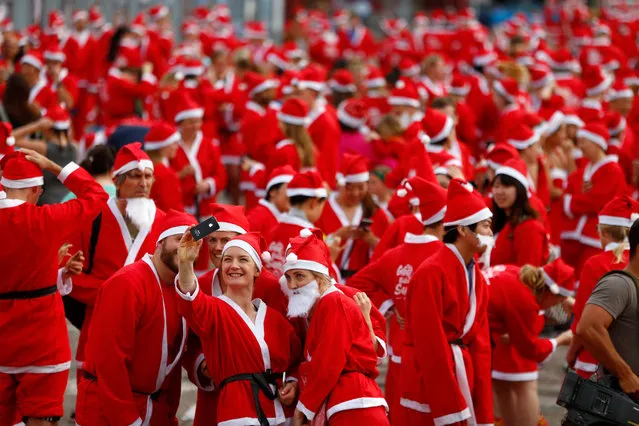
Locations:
{"points": [[374, 416], [31, 395]]}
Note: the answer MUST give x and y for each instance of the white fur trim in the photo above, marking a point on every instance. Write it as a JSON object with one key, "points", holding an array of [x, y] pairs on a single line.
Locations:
{"points": [[593, 137], [402, 101], [348, 119], [356, 403], [54, 56], [574, 120], [614, 95], [453, 418], [477, 217], [554, 287], [436, 217], [499, 88], [513, 173], [357, 178], [341, 88], [614, 221], [197, 71], [414, 405], [176, 230], [10, 141], [36, 369], [554, 123], [521, 145], [310, 84], [444, 132], [620, 127], [189, 113], [601, 87], [309, 265], [31, 60], [231, 227], [155, 145], [265, 85], [375, 83], [132, 165], [277, 180], [247, 248], [292, 119], [66, 171], [459, 91], [586, 366], [308, 192], [515, 377], [308, 413], [22, 183]]}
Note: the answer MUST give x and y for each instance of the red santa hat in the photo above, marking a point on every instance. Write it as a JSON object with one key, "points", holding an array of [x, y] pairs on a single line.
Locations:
{"points": [[160, 134], [187, 108], [572, 118], [191, 66], [540, 76], [307, 184], [257, 83], [309, 252], [255, 30], [79, 15], [138, 25], [230, 218], [286, 81], [409, 68], [282, 174], [618, 212], [464, 205], [6, 25], [353, 169], [507, 87], [277, 58], [342, 82], [33, 58], [615, 122], [595, 81], [252, 243], [131, 157], [128, 57], [54, 53], [516, 169], [559, 277], [202, 13], [190, 27], [341, 17], [55, 19], [595, 132], [374, 78], [484, 58], [175, 223], [294, 111], [310, 78], [291, 50], [459, 86], [498, 154], [404, 94], [352, 112], [553, 123], [437, 125], [521, 136], [18, 172], [95, 16], [60, 117], [7, 141], [158, 11], [620, 90], [393, 26], [429, 196]]}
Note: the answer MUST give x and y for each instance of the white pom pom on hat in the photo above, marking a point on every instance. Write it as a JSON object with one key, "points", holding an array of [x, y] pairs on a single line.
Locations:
{"points": [[304, 233], [291, 258], [407, 186], [402, 192], [266, 256], [11, 141]]}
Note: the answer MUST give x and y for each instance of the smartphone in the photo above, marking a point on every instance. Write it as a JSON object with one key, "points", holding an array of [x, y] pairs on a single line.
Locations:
{"points": [[365, 223], [205, 228]]}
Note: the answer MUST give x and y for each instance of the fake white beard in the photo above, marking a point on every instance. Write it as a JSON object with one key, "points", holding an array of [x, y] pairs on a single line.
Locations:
{"points": [[141, 211], [300, 300], [488, 242]]}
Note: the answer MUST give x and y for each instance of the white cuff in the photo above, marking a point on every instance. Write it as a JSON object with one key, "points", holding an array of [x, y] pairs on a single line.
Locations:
{"points": [[567, 200], [212, 187], [187, 296], [308, 413], [66, 171], [386, 305], [292, 379], [64, 285], [382, 344], [138, 422], [196, 375], [149, 78], [554, 348]]}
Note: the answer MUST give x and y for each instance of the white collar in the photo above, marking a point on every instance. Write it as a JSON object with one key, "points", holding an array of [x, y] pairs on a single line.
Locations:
{"points": [[294, 220], [419, 239], [331, 289], [10, 202], [612, 246], [591, 104], [271, 207], [591, 168], [255, 108]]}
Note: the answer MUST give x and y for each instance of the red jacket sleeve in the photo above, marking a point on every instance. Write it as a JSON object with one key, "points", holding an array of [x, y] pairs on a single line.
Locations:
{"points": [[201, 312], [520, 325], [374, 280]]}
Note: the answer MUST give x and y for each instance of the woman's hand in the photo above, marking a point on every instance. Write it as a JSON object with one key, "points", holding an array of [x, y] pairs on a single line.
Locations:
{"points": [[289, 392], [367, 236], [74, 265], [188, 249], [335, 246]]}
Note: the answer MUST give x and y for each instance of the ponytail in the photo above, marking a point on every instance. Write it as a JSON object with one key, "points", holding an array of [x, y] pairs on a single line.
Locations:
{"points": [[533, 277], [303, 143], [618, 234]]}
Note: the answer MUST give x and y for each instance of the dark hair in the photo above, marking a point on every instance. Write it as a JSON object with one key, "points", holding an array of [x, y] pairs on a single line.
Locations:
{"points": [[298, 200], [346, 128], [369, 207], [99, 160], [633, 238], [16, 101], [339, 97], [433, 225], [114, 44], [443, 102], [272, 188], [451, 233], [521, 209]]}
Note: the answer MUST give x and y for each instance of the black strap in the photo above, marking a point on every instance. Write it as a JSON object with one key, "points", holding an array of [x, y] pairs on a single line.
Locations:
{"points": [[259, 381], [459, 343], [29, 294], [93, 241], [154, 396]]}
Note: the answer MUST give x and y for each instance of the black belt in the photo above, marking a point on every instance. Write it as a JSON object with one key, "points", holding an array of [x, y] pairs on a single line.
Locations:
{"points": [[347, 273], [259, 381], [29, 294], [155, 396], [459, 343]]}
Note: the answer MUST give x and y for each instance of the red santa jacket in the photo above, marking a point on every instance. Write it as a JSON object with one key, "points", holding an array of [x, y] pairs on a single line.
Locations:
{"points": [[588, 191], [513, 310], [115, 248], [205, 159], [526, 243], [395, 233], [356, 253], [290, 225], [77, 50], [39, 343], [325, 133], [68, 81], [361, 44], [43, 95], [259, 130], [340, 362], [233, 344], [137, 338], [413, 161], [263, 217], [166, 190], [466, 127], [594, 268], [120, 95], [443, 308]]}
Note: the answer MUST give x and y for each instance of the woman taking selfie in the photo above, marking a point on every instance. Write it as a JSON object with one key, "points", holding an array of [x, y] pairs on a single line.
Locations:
{"points": [[247, 346], [338, 378], [521, 237], [515, 314]]}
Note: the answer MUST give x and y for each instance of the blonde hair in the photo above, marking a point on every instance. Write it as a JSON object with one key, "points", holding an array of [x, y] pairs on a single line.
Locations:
{"points": [[303, 142], [618, 234], [431, 60], [321, 279], [514, 70], [534, 278], [389, 127]]}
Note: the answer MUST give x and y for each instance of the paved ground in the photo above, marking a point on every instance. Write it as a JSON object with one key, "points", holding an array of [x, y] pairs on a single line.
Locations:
{"points": [[550, 381]]}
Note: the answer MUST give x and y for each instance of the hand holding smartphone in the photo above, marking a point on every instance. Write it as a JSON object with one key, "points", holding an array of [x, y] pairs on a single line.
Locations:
{"points": [[205, 228]]}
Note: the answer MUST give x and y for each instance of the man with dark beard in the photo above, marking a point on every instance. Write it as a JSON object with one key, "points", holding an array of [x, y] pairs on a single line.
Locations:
{"points": [[132, 368], [124, 231]]}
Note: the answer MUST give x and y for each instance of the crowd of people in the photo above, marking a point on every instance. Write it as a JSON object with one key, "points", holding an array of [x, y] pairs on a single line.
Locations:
{"points": [[421, 197]]}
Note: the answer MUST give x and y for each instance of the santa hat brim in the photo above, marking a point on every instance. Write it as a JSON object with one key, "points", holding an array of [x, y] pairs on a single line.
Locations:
{"points": [[247, 248], [231, 227], [176, 230], [437, 217], [293, 119], [307, 192], [593, 137], [278, 180], [477, 217], [599, 88], [308, 265], [402, 101], [22, 183], [155, 145], [189, 113], [132, 165], [615, 221], [348, 119], [513, 173]]}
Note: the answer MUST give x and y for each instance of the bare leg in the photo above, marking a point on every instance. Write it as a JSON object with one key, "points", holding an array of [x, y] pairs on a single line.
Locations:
{"points": [[504, 400], [527, 403]]}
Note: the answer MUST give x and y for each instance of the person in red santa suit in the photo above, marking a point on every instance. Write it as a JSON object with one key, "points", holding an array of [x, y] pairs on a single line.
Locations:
{"points": [[597, 84], [376, 95], [78, 44], [386, 280], [615, 220], [41, 95], [356, 40], [328, 393], [150, 49], [159, 29], [323, 125], [434, 76], [587, 193], [121, 234], [307, 196], [247, 345], [129, 372], [352, 217], [197, 163], [60, 79], [35, 361], [518, 297], [521, 237], [266, 214], [295, 148], [161, 145], [442, 343], [406, 105]]}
